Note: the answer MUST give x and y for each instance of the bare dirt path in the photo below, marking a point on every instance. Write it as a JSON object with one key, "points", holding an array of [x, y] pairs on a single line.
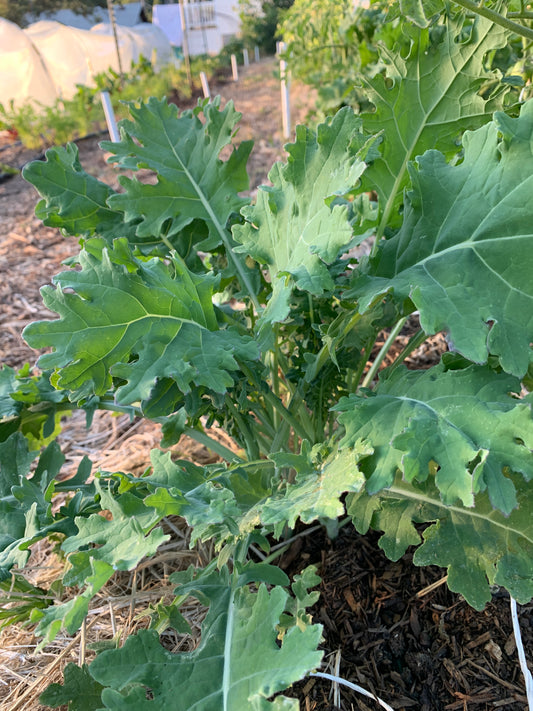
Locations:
{"points": [[31, 253]]}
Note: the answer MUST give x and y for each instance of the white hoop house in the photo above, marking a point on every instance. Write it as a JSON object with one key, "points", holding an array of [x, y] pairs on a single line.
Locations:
{"points": [[48, 59]]}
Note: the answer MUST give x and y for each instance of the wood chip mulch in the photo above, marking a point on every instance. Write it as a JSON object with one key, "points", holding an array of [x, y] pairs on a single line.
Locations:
{"points": [[397, 631]]}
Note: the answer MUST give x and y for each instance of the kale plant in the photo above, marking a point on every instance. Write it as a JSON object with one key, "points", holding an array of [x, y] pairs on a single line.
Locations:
{"points": [[190, 306]]}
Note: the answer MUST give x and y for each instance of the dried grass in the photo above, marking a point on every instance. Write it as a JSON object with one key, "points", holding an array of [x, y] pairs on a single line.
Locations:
{"points": [[113, 444]]}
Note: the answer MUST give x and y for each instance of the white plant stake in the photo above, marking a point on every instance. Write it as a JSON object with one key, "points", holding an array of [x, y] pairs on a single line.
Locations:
{"points": [[110, 117], [285, 100], [521, 654], [355, 687], [234, 69], [256, 53], [205, 85], [245, 58]]}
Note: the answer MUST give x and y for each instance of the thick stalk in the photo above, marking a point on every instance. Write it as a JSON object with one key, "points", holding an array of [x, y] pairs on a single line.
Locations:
{"points": [[496, 18], [287, 416], [413, 343], [250, 443], [324, 354], [274, 372], [276, 403], [212, 444], [369, 377]]}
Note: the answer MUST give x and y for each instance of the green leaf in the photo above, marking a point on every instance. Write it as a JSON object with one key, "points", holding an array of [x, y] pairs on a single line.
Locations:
{"points": [[461, 427], [464, 254], [315, 494], [192, 182], [70, 615], [420, 12], [73, 200], [427, 99], [138, 320], [293, 228], [479, 546], [238, 664], [232, 502], [79, 690], [120, 542], [25, 500], [15, 460]]}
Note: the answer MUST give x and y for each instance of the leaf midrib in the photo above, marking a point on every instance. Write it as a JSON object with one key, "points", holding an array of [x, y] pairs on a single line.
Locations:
{"points": [[399, 178], [398, 491]]}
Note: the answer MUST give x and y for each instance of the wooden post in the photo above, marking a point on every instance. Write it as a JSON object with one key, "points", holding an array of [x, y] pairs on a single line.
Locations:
{"points": [[205, 85], [186, 57], [234, 69], [113, 22]]}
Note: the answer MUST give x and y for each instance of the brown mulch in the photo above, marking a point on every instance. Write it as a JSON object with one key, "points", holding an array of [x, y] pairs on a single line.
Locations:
{"points": [[398, 631], [414, 646]]}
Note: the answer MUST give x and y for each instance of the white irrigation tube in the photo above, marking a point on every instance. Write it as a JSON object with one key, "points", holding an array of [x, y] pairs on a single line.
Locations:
{"points": [[285, 100], [205, 85], [245, 58], [234, 69], [256, 53], [110, 117], [521, 654], [355, 687]]}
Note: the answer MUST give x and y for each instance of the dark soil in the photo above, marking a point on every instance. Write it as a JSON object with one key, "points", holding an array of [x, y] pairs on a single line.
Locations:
{"points": [[415, 647]]}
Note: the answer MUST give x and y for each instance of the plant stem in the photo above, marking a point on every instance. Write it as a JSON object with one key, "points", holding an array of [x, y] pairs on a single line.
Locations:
{"points": [[212, 444], [525, 15], [274, 373], [496, 18], [369, 377], [278, 406], [324, 354], [252, 449], [287, 416], [416, 340]]}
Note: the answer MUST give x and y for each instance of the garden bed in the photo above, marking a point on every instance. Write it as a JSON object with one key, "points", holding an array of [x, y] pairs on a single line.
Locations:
{"points": [[391, 627]]}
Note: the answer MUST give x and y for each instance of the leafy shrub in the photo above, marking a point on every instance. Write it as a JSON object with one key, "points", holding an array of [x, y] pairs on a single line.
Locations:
{"points": [[260, 28], [189, 305]]}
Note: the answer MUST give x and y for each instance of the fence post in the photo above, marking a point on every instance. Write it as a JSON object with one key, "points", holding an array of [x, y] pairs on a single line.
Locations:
{"points": [[285, 98], [205, 85], [234, 69], [110, 117]]}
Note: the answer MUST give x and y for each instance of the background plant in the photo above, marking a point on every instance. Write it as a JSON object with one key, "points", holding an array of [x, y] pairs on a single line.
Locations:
{"points": [[39, 126], [189, 305], [337, 48], [260, 27]]}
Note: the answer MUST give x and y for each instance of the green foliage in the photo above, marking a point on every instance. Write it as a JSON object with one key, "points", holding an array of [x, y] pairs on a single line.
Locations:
{"points": [[329, 44], [259, 28], [229, 670], [191, 306], [40, 126], [21, 11]]}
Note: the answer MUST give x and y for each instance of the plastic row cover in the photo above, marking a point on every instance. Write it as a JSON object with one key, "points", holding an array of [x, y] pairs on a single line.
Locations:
{"points": [[46, 61]]}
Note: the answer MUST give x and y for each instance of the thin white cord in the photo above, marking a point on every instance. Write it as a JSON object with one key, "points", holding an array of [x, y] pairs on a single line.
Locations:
{"points": [[521, 654], [355, 687]]}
